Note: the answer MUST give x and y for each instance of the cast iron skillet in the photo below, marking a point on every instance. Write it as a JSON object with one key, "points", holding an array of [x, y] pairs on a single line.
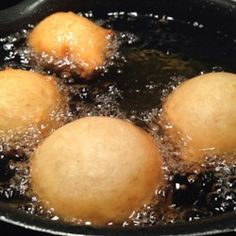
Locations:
{"points": [[216, 14]]}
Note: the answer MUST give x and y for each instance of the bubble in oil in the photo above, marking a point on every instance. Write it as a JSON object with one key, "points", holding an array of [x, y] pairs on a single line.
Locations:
{"points": [[14, 177]]}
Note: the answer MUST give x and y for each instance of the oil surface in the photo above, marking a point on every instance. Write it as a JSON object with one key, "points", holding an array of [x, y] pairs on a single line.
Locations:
{"points": [[156, 54]]}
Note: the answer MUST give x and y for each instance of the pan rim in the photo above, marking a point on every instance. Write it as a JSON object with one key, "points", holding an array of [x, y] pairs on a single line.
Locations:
{"points": [[224, 223]]}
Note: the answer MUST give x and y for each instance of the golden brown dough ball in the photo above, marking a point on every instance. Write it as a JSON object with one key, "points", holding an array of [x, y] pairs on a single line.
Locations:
{"points": [[97, 169], [26, 98], [202, 111], [67, 35]]}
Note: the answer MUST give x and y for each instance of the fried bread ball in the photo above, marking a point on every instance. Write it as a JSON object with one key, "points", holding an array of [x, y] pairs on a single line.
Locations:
{"points": [[26, 98], [97, 169], [67, 35], [202, 113]]}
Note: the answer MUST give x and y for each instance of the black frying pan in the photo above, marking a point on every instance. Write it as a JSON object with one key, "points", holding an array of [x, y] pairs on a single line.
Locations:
{"points": [[214, 14]]}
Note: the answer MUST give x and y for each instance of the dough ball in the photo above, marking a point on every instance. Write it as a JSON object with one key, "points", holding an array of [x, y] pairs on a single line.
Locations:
{"points": [[97, 169], [202, 113], [67, 35], [26, 98]]}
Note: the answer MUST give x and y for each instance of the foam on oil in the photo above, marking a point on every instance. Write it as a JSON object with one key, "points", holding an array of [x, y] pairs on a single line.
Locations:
{"points": [[156, 53]]}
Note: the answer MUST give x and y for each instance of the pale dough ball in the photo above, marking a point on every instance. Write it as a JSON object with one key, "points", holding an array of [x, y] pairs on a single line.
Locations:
{"points": [[67, 35], [26, 98], [202, 112], [97, 169]]}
